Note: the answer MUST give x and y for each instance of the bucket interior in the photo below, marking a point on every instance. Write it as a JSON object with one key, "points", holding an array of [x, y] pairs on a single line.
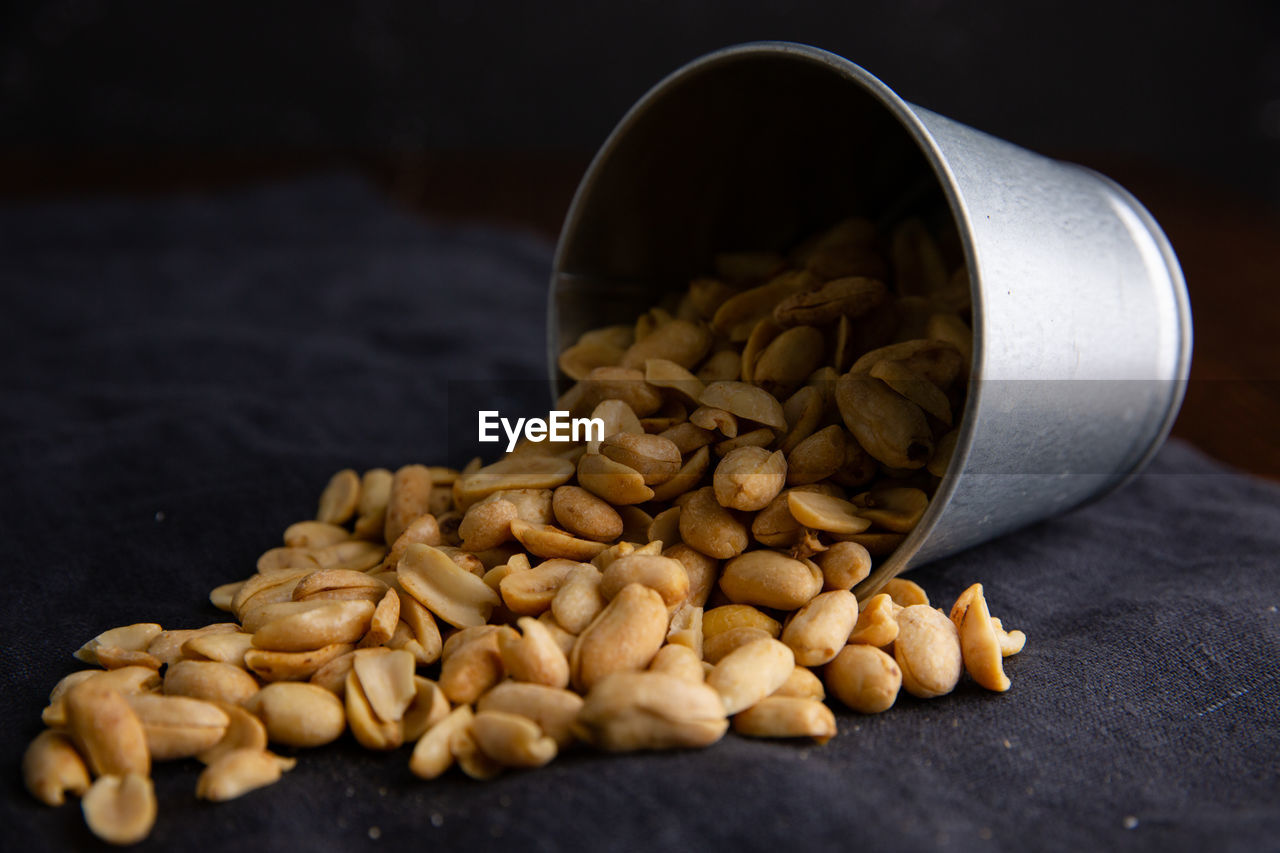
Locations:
{"points": [[750, 151]]}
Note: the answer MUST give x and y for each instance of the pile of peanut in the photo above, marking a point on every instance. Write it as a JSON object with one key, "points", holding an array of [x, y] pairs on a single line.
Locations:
{"points": [[771, 433]]}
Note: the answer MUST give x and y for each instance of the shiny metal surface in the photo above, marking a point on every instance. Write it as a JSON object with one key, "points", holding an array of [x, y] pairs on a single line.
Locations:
{"points": [[1082, 327]]}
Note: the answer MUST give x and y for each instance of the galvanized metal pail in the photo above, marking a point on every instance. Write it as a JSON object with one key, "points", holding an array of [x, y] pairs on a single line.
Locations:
{"points": [[1082, 326]]}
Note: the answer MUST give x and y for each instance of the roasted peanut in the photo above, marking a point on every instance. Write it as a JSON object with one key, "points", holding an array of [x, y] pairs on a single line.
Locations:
{"points": [[240, 771], [298, 714], [820, 629], [748, 478], [213, 681], [864, 678], [51, 767], [787, 716], [708, 527], [928, 651], [751, 672], [625, 636], [106, 730], [120, 808], [512, 740], [339, 498], [650, 710], [770, 579]]}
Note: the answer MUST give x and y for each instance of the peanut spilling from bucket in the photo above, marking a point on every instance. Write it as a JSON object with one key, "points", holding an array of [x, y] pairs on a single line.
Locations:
{"points": [[773, 432]]}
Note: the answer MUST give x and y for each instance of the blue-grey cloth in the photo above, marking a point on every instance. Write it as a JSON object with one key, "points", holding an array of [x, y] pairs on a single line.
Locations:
{"points": [[179, 377]]}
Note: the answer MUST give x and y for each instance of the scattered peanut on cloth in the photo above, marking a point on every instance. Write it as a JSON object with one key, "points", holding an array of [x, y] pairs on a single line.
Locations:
{"points": [[772, 433]]}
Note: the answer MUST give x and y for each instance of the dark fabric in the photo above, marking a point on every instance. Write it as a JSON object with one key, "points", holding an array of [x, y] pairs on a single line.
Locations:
{"points": [[178, 379]]}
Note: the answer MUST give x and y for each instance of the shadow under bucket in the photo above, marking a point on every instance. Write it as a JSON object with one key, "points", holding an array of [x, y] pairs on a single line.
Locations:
{"points": [[1081, 322]]}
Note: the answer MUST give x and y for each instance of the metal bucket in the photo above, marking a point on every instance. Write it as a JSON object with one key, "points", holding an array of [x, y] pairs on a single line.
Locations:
{"points": [[1081, 322]]}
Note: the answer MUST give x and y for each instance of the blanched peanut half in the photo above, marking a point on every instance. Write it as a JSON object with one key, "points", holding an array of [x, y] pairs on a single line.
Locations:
{"points": [[1011, 642], [666, 526], [663, 373], [532, 591], [120, 809], [382, 625], [209, 680], [338, 584], [745, 400], [864, 678], [905, 592], [979, 640], [473, 667], [368, 730], [533, 655], [717, 620], [625, 636], [354, 554], [914, 387], [267, 588], [387, 682], [824, 512], [701, 569], [775, 526], [447, 590], [770, 579], [679, 341], [844, 565], [221, 596], [578, 599], [126, 679], [617, 417], [470, 758], [655, 458], [686, 627], [817, 457], [751, 672], [896, 509], [789, 359], [126, 638], [423, 530], [429, 706], [689, 475], [409, 498], [680, 661], [244, 731], [650, 710], [787, 716], [512, 740], [487, 524], [334, 622], [240, 771], [51, 767], [664, 575], [708, 527], [432, 754], [298, 714], [552, 708], [803, 684], [748, 478], [583, 514], [167, 645], [526, 471], [613, 481], [877, 624], [739, 314], [552, 543], [314, 534], [821, 628], [890, 427], [371, 508], [716, 647], [178, 726], [339, 498], [106, 730], [928, 652], [422, 625], [580, 359], [284, 557], [710, 420], [270, 665]]}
